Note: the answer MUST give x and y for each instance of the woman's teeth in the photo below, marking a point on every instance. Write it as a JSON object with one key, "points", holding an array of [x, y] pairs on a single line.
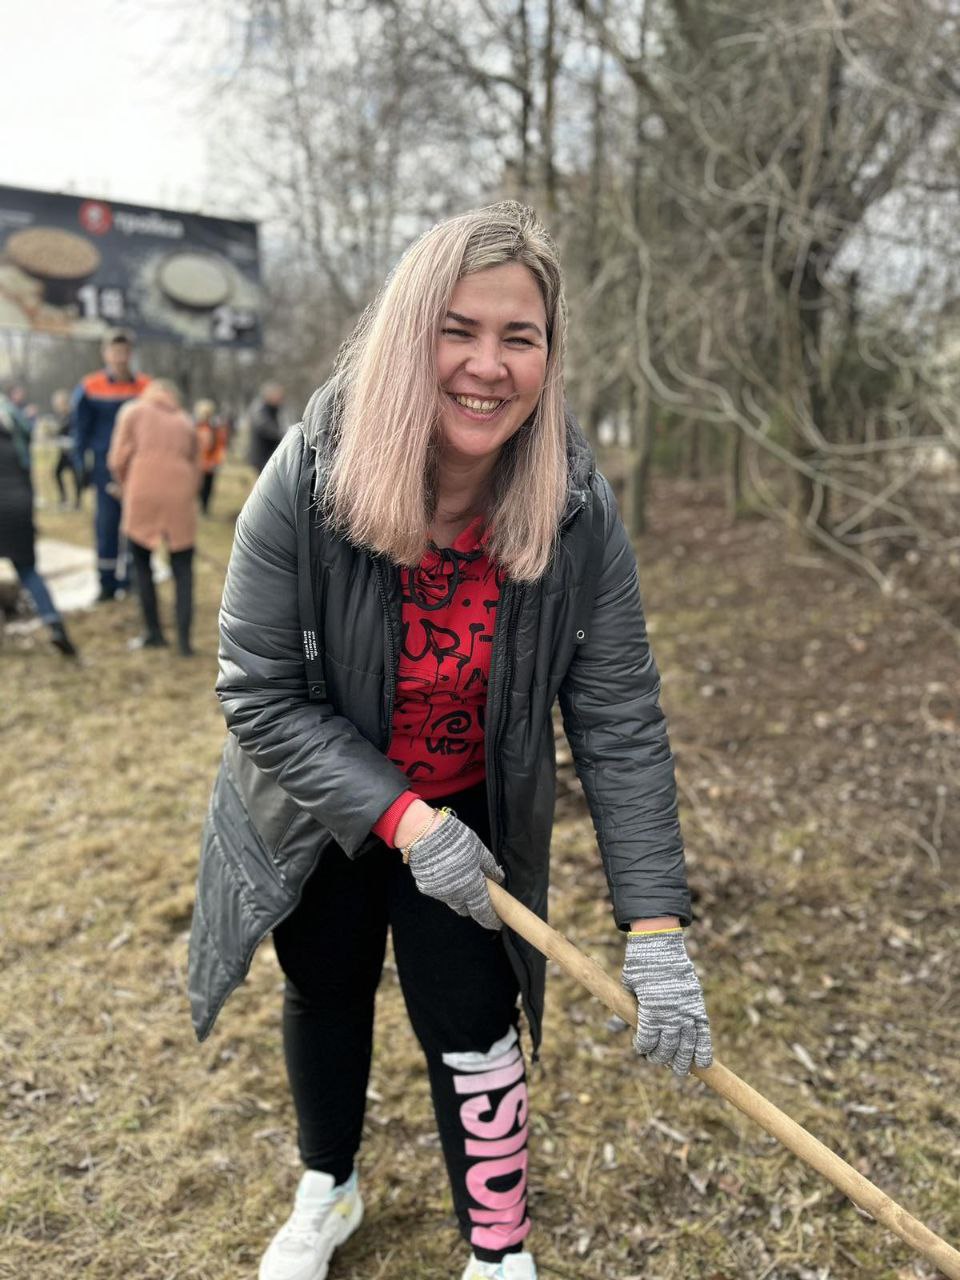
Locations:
{"points": [[478, 406]]}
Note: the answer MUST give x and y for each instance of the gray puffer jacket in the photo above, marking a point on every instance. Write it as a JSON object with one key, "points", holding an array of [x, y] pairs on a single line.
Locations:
{"points": [[307, 674]]}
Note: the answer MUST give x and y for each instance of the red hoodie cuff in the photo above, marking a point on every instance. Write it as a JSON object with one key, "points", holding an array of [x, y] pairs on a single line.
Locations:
{"points": [[386, 825]]}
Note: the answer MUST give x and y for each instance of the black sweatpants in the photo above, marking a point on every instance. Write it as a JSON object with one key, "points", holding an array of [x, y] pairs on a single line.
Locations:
{"points": [[181, 564], [67, 464], [206, 490], [461, 997]]}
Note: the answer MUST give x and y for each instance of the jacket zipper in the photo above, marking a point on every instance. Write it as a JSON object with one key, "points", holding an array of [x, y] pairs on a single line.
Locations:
{"points": [[390, 674], [500, 685]]}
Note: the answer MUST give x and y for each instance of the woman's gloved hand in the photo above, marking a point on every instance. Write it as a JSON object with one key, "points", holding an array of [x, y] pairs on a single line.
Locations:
{"points": [[672, 1026], [450, 863]]}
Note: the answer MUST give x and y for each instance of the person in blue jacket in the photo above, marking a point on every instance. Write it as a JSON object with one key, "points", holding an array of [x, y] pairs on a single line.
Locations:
{"points": [[96, 402]]}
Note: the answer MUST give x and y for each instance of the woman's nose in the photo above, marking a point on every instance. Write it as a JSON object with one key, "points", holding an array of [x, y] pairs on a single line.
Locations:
{"points": [[485, 361]]}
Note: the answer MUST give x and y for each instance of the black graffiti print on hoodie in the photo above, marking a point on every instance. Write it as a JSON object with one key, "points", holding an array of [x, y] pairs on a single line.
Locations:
{"points": [[449, 605]]}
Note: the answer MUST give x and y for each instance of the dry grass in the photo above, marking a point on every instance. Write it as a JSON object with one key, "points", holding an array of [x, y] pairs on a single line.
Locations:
{"points": [[819, 783]]}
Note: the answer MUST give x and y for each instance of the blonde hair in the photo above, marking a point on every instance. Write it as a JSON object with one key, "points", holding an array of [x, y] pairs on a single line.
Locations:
{"points": [[157, 388], [382, 489], [204, 410]]}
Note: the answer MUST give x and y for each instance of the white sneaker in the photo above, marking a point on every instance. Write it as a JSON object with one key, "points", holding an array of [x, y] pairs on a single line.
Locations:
{"points": [[324, 1215], [515, 1266]]}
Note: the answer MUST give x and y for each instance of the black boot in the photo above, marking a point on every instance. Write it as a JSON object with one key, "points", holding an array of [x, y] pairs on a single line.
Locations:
{"points": [[61, 641], [181, 562], [149, 640], [152, 637]]}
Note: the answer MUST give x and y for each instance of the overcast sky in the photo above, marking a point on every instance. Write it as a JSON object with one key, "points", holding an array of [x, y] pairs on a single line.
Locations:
{"points": [[94, 99], [105, 98]]}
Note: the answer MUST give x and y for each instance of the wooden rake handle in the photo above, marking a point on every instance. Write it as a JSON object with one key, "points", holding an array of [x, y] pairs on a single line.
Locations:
{"points": [[736, 1091]]}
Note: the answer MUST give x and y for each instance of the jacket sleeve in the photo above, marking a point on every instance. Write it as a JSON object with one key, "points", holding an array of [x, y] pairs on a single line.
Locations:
{"points": [[618, 736], [319, 757], [194, 450], [82, 419], [123, 443]]}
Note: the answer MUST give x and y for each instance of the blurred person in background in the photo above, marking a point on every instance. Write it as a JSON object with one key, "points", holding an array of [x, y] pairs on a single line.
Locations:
{"points": [[96, 402], [17, 534], [66, 463], [213, 437], [427, 563], [266, 425], [154, 459], [17, 394]]}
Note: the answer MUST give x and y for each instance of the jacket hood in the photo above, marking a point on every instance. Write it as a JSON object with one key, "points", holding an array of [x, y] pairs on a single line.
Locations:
{"points": [[320, 430], [156, 398]]}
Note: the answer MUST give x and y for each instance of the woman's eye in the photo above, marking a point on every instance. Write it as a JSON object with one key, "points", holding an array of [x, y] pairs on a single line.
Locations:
{"points": [[515, 341]]}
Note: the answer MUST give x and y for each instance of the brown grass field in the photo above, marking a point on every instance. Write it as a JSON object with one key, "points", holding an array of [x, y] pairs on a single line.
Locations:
{"points": [[816, 728]]}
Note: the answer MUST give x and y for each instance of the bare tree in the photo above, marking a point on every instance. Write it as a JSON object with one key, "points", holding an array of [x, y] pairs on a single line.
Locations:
{"points": [[756, 206], [784, 131]]}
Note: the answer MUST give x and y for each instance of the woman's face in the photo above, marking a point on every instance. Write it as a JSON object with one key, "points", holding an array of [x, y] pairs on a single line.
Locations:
{"points": [[491, 360]]}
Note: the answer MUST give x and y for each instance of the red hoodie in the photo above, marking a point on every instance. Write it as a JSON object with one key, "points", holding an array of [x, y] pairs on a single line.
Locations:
{"points": [[449, 606]]}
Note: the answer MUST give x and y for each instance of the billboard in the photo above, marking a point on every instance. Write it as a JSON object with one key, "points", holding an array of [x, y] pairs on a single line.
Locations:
{"points": [[78, 267]]}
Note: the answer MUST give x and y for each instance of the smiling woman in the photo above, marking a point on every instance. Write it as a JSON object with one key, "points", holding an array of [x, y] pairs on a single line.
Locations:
{"points": [[460, 364], [491, 365], [427, 563]]}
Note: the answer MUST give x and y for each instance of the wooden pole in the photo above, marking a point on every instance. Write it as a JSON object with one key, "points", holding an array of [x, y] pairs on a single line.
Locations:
{"points": [[736, 1091]]}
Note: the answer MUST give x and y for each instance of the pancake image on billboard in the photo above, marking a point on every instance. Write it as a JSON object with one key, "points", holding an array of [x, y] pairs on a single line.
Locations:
{"points": [[61, 260], [80, 266], [200, 281]]}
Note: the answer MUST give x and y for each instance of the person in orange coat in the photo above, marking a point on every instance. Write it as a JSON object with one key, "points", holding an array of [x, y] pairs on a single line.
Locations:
{"points": [[213, 437], [154, 457]]}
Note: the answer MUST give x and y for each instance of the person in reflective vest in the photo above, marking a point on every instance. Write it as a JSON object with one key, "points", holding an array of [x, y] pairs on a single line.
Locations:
{"points": [[96, 402]]}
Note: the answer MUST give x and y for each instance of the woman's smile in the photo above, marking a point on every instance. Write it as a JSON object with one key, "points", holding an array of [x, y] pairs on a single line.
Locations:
{"points": [[478, 408], [491, 360]]}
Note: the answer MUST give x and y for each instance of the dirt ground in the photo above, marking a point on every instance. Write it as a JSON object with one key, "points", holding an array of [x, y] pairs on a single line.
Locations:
{"points": [[817, 730]]}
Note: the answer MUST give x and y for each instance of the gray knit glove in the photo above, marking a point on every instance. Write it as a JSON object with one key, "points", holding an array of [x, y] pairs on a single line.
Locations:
{"points": [[672, 1026], [451, 863]]}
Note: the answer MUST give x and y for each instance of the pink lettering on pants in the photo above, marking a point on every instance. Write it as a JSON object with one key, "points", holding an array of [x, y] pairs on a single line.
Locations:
{"points": [[497, 1141]]}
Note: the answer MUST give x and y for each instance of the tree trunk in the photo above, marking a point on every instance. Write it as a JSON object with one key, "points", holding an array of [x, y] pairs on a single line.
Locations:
{"points": [[802, 394], [809, 500], [597, 160], [694, 451], [547, 130], [526, 99], [734, 474], [641, 457]]}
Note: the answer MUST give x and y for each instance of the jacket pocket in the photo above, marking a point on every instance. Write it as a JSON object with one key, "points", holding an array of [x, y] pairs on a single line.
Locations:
{"points": [[287, 835], [252, 863], [259, 794]]}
